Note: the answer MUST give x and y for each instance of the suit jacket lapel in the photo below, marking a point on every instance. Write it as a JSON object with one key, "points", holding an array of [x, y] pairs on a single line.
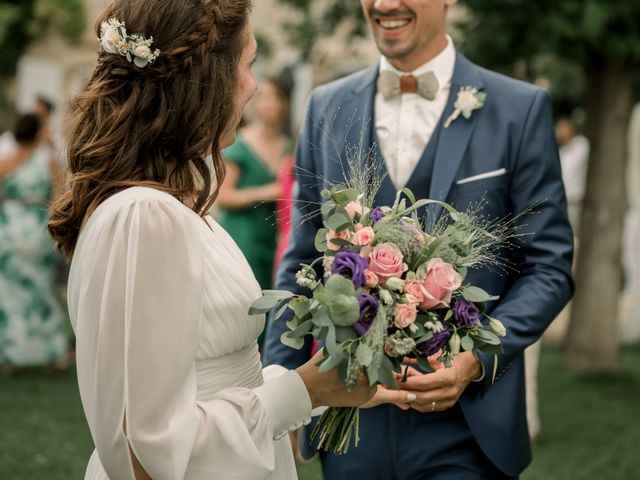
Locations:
{"points": [[454, 139], [360, 134]]}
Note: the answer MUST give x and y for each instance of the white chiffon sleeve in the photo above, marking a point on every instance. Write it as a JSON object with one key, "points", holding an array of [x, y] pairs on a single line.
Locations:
{"points": [[139, 365]]}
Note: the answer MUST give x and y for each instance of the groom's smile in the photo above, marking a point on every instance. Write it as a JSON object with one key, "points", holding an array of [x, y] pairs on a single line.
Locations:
{"points": [[407, 32]]}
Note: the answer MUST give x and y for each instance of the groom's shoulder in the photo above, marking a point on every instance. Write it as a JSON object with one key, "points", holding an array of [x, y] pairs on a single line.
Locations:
{"points": [[508, 87], [345, 85]]}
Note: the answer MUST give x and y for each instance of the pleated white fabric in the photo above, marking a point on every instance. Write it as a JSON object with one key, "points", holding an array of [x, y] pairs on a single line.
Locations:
{"points": [[168, 364]]}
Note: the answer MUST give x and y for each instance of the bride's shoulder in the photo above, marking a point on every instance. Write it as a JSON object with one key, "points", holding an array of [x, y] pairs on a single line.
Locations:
{"points": [[149, 204]]}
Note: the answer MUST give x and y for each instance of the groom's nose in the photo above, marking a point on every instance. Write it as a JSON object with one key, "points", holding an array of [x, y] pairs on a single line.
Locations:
{"points": [[384, 6]]}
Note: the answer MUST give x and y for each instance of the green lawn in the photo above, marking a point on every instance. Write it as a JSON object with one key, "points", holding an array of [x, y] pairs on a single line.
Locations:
{"points": [[591, 425]]}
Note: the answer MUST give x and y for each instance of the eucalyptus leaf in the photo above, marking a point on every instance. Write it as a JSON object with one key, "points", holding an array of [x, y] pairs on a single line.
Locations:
{"points": [[364, 354], [338, 285], [263, 305], [327, 208], [372, 374], [385, 373], [424, 364], [425, 337], [345, 333], [344, 310], [332, 361], [330, 343], [345, 196], [302, 329], [342, 242], [280, 294], [476, 294], [296, 343], [487, 336], [467, 343], [300, 306], [320, 241], [338, 222], [322, 318]]}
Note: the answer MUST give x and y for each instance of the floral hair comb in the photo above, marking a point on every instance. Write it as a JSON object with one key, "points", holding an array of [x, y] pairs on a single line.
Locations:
{"points": [[136, 48]]}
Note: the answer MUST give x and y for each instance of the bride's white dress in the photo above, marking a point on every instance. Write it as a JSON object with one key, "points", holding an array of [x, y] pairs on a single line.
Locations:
{"points": [[168, 364]]}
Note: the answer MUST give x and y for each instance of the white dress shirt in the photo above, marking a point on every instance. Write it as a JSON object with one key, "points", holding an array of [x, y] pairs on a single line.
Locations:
{"points": [[405, 123]]}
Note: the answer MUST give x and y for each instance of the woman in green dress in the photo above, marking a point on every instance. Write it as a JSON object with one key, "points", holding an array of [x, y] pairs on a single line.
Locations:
{"points": [[32, 321], [247, 197]]}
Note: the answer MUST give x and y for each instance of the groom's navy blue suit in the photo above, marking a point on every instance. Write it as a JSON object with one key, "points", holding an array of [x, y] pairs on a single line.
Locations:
{"points": [[511, 138]]}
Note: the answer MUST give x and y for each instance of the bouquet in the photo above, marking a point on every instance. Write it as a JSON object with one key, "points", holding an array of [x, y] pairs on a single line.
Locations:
{"points": [[383, 291]]}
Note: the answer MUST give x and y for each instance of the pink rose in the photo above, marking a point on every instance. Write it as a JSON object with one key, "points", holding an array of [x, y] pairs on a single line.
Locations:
{"points": [[370, 279], [332, 234], [364, 236], [385, 260], [353, 208], [413, 289], [439, 283], [404, 315]]}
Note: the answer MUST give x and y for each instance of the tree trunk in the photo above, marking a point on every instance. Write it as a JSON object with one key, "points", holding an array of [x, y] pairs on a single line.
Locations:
{"points": [[592, 342]]}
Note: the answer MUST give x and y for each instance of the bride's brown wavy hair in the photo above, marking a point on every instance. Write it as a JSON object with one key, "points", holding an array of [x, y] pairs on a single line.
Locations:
{"points": [[151, 126]]}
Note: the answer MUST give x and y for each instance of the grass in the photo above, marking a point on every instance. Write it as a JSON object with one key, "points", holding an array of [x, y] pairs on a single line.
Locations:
{"points": [[590, 425]]}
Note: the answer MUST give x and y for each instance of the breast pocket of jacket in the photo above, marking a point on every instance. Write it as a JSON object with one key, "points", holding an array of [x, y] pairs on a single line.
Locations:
{"points": [[490, 190]]}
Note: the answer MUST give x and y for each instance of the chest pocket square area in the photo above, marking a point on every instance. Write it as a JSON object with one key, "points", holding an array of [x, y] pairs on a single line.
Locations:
{"points": [[483, 176]]}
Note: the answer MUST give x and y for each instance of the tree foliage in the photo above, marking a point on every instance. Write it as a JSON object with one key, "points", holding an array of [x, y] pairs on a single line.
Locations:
{"points": [[585, 31], [22, 21], [315, 23]]}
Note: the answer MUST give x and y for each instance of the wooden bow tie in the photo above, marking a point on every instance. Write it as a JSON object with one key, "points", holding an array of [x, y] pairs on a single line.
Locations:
{"points": [[391, 85]]}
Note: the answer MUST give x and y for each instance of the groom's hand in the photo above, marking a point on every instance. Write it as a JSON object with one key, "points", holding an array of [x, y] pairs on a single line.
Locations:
{"points": [[440, 390]]}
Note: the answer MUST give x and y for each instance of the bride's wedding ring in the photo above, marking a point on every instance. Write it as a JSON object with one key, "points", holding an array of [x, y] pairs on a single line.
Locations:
{"points": [[433, 406]]}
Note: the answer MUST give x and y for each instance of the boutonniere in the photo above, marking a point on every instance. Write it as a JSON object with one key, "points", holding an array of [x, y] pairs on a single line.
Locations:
{"points": [[469, 99]]}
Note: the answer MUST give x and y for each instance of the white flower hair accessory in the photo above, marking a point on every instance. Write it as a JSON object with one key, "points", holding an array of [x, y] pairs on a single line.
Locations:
{"points": [[469, 99], [136, 48]]}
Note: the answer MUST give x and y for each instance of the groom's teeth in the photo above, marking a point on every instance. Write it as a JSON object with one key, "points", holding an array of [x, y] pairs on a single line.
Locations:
{"points": [[393, 23]]}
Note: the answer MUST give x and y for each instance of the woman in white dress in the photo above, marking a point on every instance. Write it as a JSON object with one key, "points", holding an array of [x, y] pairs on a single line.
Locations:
{"points": [[168, 365]]}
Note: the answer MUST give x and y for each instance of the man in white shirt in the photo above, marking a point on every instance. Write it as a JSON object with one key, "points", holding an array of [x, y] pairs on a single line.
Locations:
{"points": [[461, 423]]}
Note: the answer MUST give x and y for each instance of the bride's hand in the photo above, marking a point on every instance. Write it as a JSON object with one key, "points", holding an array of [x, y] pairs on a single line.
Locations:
{"points": [[326, 388], [400, 398]]}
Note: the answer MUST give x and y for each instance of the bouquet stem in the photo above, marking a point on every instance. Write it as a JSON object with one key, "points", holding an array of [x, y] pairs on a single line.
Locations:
{"points": [[334, 429]]}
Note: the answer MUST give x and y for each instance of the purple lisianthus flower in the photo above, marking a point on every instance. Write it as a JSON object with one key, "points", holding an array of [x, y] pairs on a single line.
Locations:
{"points": [[466, 313], [350, 265], [434, 344], [376, 215], [368, 311]]}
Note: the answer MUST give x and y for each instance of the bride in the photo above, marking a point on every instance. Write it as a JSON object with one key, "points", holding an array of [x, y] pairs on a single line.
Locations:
{"points": [[168, 364]]}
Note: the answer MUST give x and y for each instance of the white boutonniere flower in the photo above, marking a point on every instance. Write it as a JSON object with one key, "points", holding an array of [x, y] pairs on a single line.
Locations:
{"points": [[469, 99]]}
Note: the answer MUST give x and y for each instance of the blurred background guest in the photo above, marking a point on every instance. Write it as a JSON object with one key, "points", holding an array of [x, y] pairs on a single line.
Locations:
{"points": [[574, 157], [42, 107], [32, 323], [260, 156]]}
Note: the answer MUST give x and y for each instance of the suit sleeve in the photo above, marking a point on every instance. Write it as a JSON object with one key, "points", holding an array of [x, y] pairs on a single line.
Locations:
{"points": [[305, 222], [544, 254]]}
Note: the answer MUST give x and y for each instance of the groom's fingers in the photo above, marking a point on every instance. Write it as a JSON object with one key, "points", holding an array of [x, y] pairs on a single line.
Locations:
{"points": [[430, 381]]}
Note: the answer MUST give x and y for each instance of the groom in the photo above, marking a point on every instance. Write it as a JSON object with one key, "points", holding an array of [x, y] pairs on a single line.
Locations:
{"points": [[467, 422]]}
